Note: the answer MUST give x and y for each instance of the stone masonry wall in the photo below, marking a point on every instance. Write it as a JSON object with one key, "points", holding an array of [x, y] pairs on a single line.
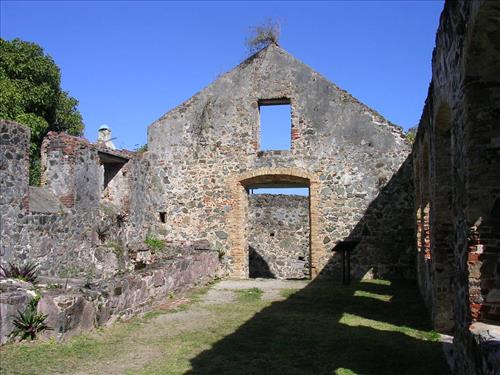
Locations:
{"points": [[456, 157], [202, 151], [81, 232], [81, 306], [76, 311], [68, 226], [278, 236]]}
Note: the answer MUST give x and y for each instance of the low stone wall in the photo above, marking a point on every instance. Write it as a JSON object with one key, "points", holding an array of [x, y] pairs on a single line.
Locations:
{"points": [[81, 308], [278, 236]]}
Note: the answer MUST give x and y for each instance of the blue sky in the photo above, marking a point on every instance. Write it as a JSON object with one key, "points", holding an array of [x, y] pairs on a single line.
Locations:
{"points": [[130, 62]]}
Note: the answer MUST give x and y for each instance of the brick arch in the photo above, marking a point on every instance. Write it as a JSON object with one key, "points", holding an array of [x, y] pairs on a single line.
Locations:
{"points": [[238, 222]]}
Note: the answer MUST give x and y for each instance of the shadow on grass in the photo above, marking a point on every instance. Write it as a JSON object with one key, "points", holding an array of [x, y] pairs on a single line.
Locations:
{"points": [[327, 328]]}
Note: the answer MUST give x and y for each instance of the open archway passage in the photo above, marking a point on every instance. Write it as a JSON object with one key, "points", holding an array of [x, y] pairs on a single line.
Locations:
{"points": [[278, 228]]}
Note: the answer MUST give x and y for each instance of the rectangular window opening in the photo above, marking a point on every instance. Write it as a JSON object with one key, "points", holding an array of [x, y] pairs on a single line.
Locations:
{"points": [[111, 165], [163, 217], [304, 191], [275, 124]]}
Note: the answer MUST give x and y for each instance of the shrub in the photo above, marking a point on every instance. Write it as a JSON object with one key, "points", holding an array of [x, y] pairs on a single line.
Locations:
{"points": [[411, 134], [141, 149], [263, 35], [154, 244], [29, 323], [25, 272]]}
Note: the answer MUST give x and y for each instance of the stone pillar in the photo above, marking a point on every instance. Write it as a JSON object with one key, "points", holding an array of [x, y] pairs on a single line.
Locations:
{"points": [[71, 169], [14, 181], [58, 165], [14, 159]]}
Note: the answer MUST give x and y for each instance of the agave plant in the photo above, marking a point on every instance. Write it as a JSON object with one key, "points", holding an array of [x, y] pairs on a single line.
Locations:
{"points": [[24, 272], [29, 322]]}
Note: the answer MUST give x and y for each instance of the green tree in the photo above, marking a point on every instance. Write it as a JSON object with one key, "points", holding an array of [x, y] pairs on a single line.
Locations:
{"points": [[31, 94]]}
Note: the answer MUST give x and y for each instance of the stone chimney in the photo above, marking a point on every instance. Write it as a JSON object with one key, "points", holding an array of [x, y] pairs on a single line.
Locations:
{"points": [[104, 137]]}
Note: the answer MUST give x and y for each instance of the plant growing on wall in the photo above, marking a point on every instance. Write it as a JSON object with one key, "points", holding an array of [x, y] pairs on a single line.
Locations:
{"points": [[263, 35], [141, 149], [102, 232], [24, 272], [29, 323], [155, 244], [221, 253], [90, 275], [120, 219], [411, 134]]}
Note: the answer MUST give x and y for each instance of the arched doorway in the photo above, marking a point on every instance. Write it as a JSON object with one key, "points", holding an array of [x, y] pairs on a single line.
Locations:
{"points": [[240, 186]]}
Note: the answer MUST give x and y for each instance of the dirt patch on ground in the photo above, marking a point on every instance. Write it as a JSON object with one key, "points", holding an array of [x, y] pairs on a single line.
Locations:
{"points": [[218, 296], [223, 292], [170, 323], [140, 352]]}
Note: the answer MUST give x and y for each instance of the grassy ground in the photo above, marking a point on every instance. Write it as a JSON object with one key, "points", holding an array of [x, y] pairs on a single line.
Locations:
{"points": [[368, 328]]}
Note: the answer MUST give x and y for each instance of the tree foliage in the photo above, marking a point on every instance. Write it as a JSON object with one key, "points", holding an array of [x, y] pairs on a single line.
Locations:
{"points": [[263, 35], [411, 134], [31, 94]]}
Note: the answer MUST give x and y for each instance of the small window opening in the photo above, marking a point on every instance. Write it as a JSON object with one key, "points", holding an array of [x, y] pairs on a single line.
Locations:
{"points": [[110, 171], [163, 217], [112, 164], [275, 124], [271, 234], [304, 191]]}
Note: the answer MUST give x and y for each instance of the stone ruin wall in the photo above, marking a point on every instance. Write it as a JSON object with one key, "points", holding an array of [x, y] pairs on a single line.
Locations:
{"points": [[456, 160], [354, 160], [69, 225], [81, 306], [278, 236], [88, 241], [363, 184]]}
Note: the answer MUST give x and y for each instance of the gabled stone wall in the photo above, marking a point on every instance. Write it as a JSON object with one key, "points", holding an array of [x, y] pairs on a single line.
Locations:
{"points": [[202, 150]]}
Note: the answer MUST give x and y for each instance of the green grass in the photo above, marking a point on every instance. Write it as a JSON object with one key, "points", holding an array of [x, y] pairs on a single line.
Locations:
{"points": [[370, 327], [286, 293], [249, 295], [380, 297]]}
